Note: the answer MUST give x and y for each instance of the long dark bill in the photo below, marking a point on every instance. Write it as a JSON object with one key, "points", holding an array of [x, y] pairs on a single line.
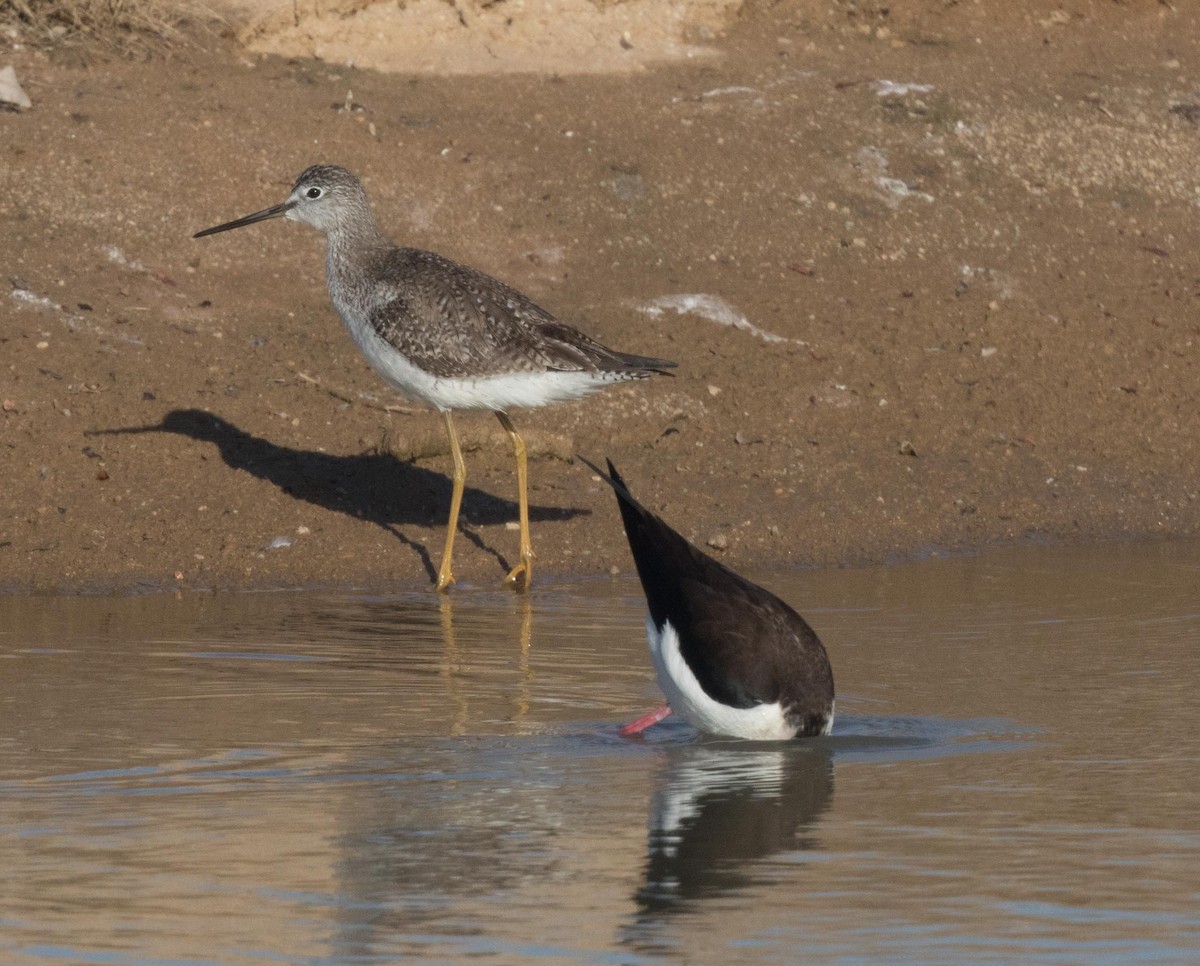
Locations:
{"points": [[273, 212]]}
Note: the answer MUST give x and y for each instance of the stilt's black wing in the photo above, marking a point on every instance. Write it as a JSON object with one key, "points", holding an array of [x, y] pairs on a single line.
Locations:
{"points": [[745, 645]]}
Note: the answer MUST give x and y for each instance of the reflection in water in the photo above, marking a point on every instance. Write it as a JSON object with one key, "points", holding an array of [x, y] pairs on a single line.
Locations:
{"points": [[454, 662], [720, 807], [413, 853], [451, 665], [319, 778]]}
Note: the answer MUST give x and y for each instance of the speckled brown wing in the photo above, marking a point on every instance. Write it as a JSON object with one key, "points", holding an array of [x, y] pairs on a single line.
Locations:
{"points": [[456, 322]]}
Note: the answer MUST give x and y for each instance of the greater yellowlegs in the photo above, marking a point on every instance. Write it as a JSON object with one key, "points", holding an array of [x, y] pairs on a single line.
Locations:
{"points": [[731, 657], [444, 334]]}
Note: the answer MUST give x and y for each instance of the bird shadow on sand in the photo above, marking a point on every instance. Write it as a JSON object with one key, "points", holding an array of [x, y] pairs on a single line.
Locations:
{"points": [[375, 487]]}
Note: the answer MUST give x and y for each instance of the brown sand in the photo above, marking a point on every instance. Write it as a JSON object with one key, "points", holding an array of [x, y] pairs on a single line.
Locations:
{"points": [[985, 294]]}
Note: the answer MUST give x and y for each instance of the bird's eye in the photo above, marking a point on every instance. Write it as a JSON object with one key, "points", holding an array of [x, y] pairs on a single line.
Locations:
{"points": [[314, 193]]}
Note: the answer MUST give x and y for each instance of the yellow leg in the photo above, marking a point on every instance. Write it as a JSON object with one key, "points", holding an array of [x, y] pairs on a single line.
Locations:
{"points": [[522, 574], [445, 575]]}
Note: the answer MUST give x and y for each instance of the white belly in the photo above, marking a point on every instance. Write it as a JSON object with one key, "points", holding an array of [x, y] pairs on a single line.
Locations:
{"points": [[505, 391]]}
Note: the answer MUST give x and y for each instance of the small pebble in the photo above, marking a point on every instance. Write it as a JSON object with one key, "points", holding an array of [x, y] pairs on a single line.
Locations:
{"points": [[718, 542]]}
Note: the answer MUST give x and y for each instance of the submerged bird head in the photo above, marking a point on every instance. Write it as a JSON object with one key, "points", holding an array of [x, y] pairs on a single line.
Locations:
{"points": [[326, 196]]}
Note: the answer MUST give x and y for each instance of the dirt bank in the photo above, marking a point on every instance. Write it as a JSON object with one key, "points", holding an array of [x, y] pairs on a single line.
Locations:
{"points": [[960, 250]]}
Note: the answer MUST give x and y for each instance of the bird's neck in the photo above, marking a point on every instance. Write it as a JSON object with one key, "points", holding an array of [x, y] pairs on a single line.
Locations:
{"points": [[353, 246], [360, 233]]}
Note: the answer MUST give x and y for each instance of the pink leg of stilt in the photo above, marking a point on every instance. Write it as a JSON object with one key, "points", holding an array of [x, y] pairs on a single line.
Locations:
{"points": [[644, 722]]}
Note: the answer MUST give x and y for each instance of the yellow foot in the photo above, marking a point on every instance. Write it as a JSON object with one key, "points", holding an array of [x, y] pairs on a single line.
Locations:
{"points": [[445, 579], [520, 577]]}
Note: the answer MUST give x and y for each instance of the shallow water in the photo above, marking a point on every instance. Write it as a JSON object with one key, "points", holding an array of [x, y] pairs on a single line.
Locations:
{"points": [[302, 777]]}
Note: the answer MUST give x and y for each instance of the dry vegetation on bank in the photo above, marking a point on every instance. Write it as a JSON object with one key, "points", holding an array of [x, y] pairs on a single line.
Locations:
{"points": [[131, 27]]}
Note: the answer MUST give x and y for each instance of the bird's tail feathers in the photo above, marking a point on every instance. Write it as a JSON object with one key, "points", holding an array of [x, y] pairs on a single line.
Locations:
{"points": [[612, 477]]}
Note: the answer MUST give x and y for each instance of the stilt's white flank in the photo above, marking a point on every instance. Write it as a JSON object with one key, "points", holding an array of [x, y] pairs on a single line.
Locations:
{"points": [[765, 722]]}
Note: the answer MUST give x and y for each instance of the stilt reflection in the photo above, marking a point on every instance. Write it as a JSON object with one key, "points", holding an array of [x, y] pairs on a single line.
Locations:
{"points": [[718, 809]]}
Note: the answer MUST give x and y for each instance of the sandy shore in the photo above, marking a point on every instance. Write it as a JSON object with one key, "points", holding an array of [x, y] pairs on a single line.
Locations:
{"points": [[931, 283]]}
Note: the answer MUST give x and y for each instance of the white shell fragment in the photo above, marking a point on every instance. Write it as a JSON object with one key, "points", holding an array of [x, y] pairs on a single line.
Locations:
{"points": [[11, 92], [713, 308]]}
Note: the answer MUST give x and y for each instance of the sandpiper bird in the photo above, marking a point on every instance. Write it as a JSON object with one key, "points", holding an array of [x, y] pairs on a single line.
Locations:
{"points": [[444, 334], [732, 658]]}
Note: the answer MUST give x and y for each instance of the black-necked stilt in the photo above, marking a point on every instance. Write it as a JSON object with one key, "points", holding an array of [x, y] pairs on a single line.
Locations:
{"points": [[444, 334], [732, 658]]}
